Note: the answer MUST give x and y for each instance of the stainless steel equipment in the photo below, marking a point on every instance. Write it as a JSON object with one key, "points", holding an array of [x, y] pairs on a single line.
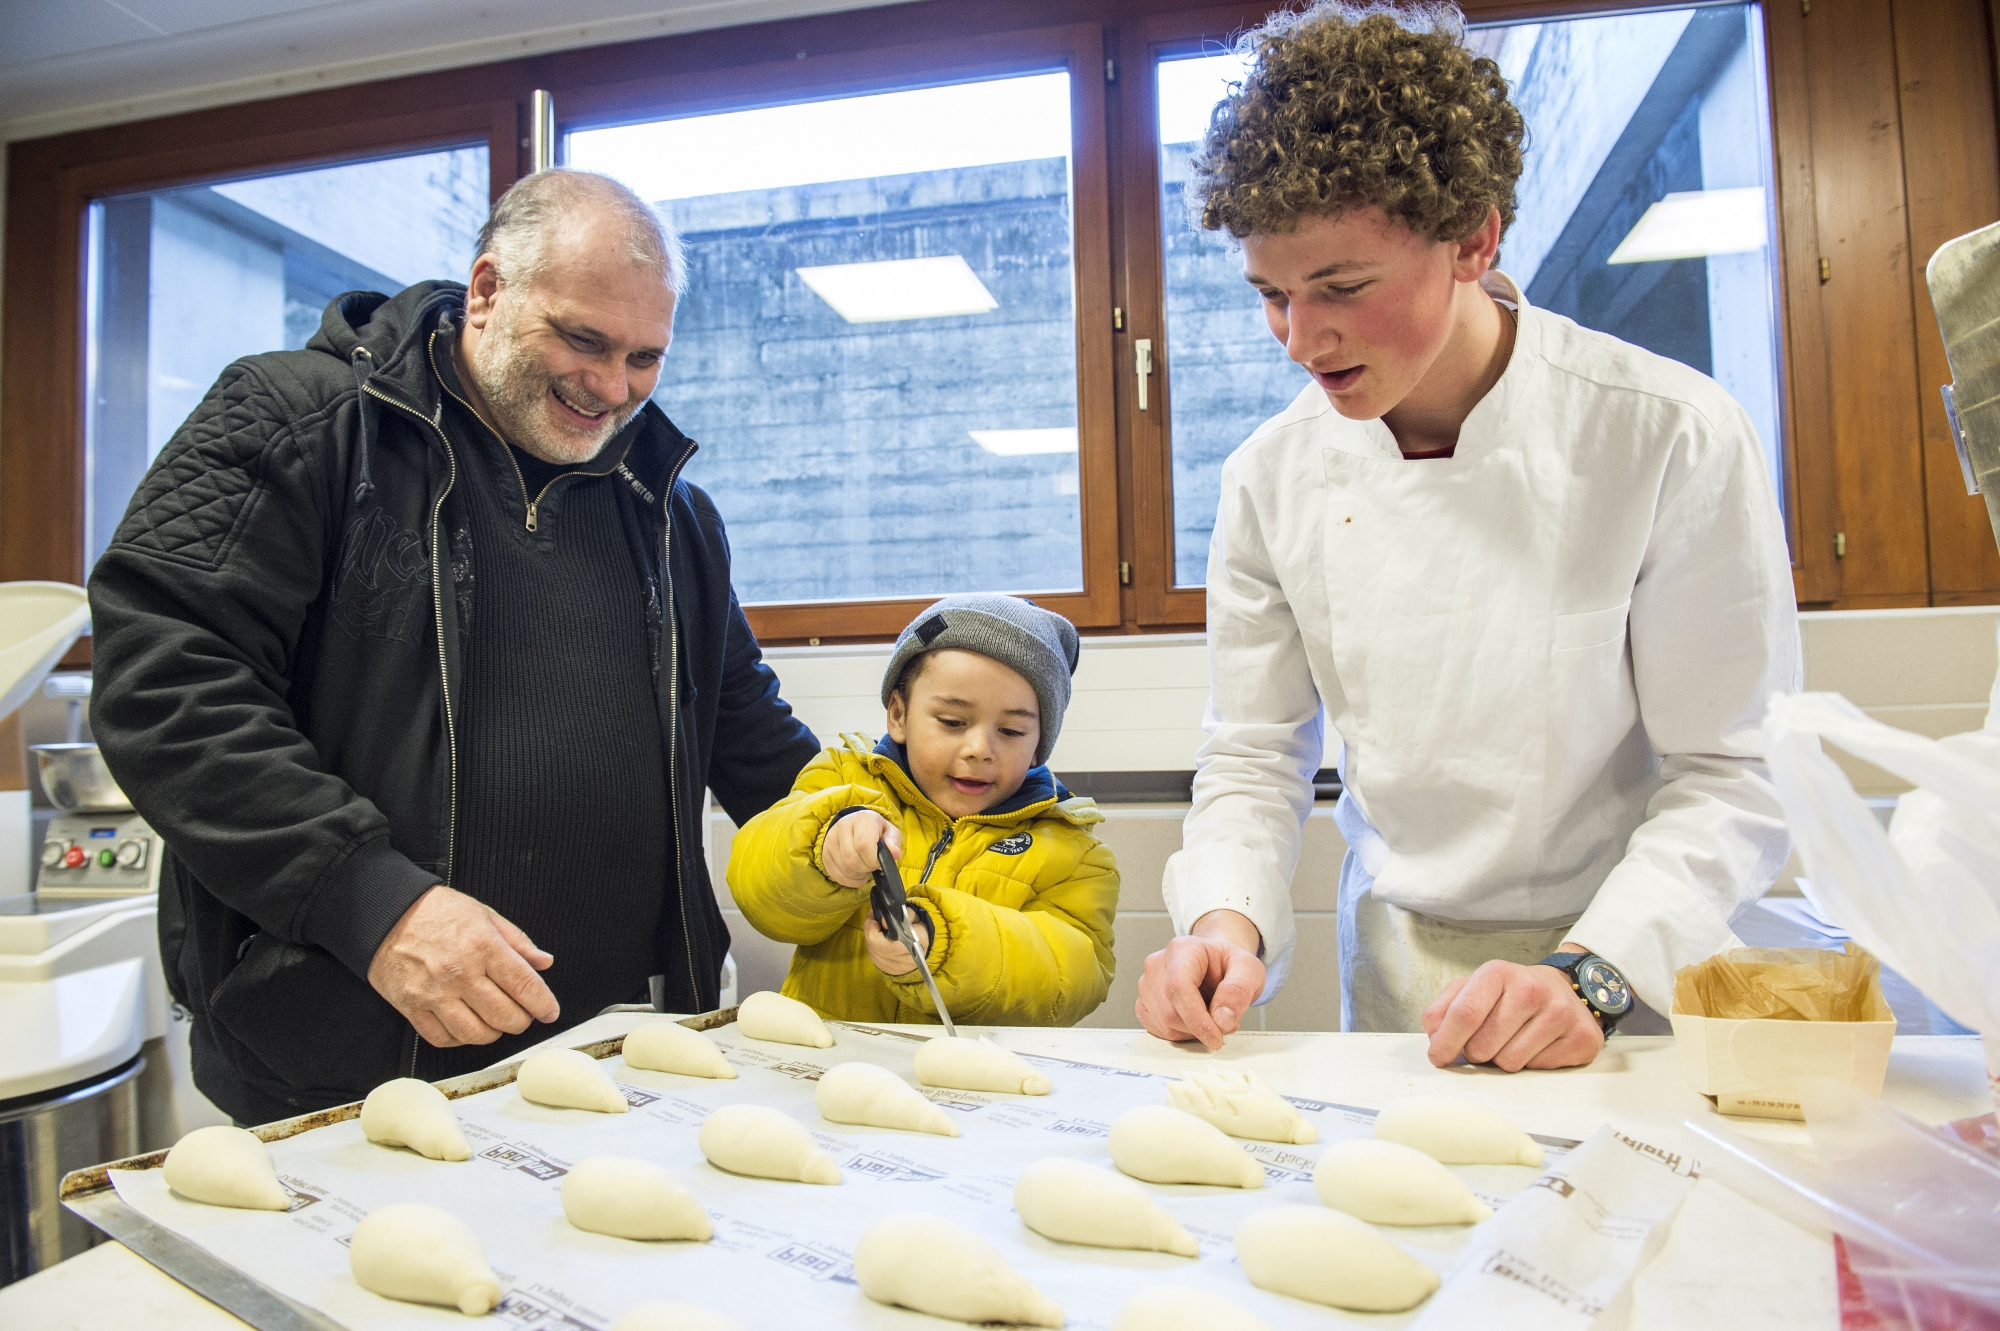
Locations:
{"points": [[96, 846], [1964, 279], [77, 780], [43, 1137]]}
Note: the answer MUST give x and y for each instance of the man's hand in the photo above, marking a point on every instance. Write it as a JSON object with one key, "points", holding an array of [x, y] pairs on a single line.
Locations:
{"points": [[891, 957], [848, 853], [1513, 1017], [1199, 986], [461, 973]]}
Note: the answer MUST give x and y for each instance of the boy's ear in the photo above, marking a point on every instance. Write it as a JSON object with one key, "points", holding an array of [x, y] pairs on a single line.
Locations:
{"points": [[899, 715], [1476, 253]]}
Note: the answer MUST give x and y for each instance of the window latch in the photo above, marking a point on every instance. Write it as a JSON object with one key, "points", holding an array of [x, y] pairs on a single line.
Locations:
{"points": [[1142, 356]]}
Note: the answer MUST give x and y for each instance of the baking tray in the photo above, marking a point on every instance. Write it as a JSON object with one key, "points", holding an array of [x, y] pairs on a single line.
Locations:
{"points": [[89, 1193]]}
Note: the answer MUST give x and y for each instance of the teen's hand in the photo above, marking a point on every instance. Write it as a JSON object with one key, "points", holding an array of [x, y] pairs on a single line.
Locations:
{"points": [[891, 957], [1513, 1017], [848, 854], [461, 972], [1199, 986]]}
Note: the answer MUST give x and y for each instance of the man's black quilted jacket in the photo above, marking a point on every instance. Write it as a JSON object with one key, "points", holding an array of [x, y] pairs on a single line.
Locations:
{"points": [[277, 630]]}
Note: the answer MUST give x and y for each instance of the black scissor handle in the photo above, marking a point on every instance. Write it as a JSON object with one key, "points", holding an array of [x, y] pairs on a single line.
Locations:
{"points": [[888, 897]]}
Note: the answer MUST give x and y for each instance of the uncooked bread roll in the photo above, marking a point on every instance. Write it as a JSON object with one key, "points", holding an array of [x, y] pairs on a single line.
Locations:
{"points": [[1181, 1308], [420, 1254], [1161, 1144], [1457, 1132], [1330, 1257], [936, 1266], [226, 1166], [1072, 1202], [673, 1317], [766, 1015], [668, 1046], [763, 1143], [961, 1064], [1387, 1183], [863, 1093], [1242, 1104], [412, 1113], [632, 1199], [569, 1079]]}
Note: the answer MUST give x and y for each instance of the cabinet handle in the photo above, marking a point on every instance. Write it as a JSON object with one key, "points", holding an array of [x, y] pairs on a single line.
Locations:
{"points": [[1142, 357]]}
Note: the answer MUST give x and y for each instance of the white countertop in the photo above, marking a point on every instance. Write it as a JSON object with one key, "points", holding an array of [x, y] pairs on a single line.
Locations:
{"points": [[1725, 1262]]}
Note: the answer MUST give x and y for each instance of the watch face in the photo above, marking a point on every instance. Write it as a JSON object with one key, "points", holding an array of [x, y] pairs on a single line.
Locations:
{"points": [[1604, 987]]}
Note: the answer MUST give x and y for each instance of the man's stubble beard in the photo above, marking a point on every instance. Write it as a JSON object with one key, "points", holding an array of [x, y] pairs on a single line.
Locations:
{"points": [[516, 387]]}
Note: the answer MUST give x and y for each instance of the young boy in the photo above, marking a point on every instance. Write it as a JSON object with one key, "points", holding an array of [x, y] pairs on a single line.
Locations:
{"points": [[1534, 578], [1012, 896]]}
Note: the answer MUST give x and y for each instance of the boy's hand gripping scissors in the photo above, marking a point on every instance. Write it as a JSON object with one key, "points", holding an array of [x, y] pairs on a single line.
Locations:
{"points": [[891, 907]]}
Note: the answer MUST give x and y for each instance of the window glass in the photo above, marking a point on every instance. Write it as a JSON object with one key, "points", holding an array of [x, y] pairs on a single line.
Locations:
{"points": [[877, 348], [184, 281], [1644, 210]]}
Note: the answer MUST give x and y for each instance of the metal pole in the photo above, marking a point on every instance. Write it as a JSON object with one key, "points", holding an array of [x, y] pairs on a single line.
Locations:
{"points": [[541, 131]]}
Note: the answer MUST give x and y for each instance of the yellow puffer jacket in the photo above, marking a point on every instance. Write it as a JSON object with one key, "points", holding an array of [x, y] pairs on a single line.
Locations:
{"points": [[1022, 901]]}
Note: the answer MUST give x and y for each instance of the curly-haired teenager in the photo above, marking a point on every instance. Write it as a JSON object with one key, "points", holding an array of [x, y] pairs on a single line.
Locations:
{"points": [[1534, 578]]}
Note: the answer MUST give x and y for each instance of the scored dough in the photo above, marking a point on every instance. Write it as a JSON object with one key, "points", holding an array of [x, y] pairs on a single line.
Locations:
{"points": [[632, 1199], [1161, 1144], [1181, 1308], [767, 1015], [421, 1254], [569, 1079], [673, 1317], [763, 1143], [1074, 1202], [659, 1045], [936, 1266], [962, 1064], [226, 1166], [412, 1113], [1242, 1104], [1457, 1132], [877, 1098], [1330, 1257], [1387, 1183]]}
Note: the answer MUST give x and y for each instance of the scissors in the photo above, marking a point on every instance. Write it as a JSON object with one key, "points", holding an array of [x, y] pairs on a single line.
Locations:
{"points": [[892, 912]]}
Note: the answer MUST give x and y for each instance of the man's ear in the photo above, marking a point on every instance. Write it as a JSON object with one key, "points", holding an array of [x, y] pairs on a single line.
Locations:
{"points": [[899, 717], [482, 288], [1475, 254]]}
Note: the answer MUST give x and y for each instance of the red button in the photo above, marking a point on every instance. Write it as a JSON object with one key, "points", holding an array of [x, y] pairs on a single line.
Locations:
{"points": [[75, 858]]}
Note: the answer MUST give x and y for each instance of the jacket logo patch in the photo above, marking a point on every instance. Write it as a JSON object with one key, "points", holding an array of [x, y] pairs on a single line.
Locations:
{"points": [[1014, 845], [382, 589]]}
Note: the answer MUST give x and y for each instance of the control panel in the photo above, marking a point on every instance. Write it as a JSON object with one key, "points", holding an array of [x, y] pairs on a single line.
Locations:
{"points": [[99, 854]]}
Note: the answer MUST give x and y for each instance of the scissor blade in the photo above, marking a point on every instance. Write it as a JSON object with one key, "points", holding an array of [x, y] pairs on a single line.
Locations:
{"points": [[892, 913]]}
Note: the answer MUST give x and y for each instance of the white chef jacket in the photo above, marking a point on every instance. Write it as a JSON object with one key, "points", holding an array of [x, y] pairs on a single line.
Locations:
{"points": [[1546, 657]]}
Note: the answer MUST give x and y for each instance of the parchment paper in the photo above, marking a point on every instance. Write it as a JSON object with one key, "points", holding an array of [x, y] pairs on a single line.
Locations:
{"points": [[782, 1253]]}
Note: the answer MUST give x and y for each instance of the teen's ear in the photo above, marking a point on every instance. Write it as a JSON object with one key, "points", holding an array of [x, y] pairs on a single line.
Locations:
{"points": [[481, 288], [1475, 254], [899, 718]]}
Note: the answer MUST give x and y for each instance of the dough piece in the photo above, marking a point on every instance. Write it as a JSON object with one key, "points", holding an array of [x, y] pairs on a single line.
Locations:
{"points": [[668, 1046], [672, 1317], [1457, 1132], [1242, 1104], [420, 1254], [632, 1199], [763, 1143], [1161, 1144], [1181, 1308], [1387, 1183], [412, 1113], [961, 1064], [569, 1079], [1330, 1257], [938, 1266], [1073, 1202], [878, 1098], [226, 1166], [767, 1015]]}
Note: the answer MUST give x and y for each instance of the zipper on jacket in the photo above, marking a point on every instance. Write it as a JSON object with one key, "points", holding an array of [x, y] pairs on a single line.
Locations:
{"points": [[938, 848], [674, 715], [532, 507], [437, 611]]}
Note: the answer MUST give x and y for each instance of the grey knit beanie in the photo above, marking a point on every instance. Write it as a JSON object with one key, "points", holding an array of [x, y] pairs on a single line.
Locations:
{"points": [[1038, 643]]}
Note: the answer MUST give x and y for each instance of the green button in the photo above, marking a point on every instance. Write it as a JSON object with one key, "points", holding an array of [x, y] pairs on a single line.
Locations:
{"points": [[105, 857]]}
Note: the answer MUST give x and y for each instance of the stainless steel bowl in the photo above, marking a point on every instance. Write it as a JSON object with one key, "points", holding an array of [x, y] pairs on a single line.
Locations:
{"points": [[77, 780]]}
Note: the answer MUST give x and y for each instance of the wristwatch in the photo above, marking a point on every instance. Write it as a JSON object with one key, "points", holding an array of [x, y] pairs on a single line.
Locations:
{"points": [[1601, 985]]}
